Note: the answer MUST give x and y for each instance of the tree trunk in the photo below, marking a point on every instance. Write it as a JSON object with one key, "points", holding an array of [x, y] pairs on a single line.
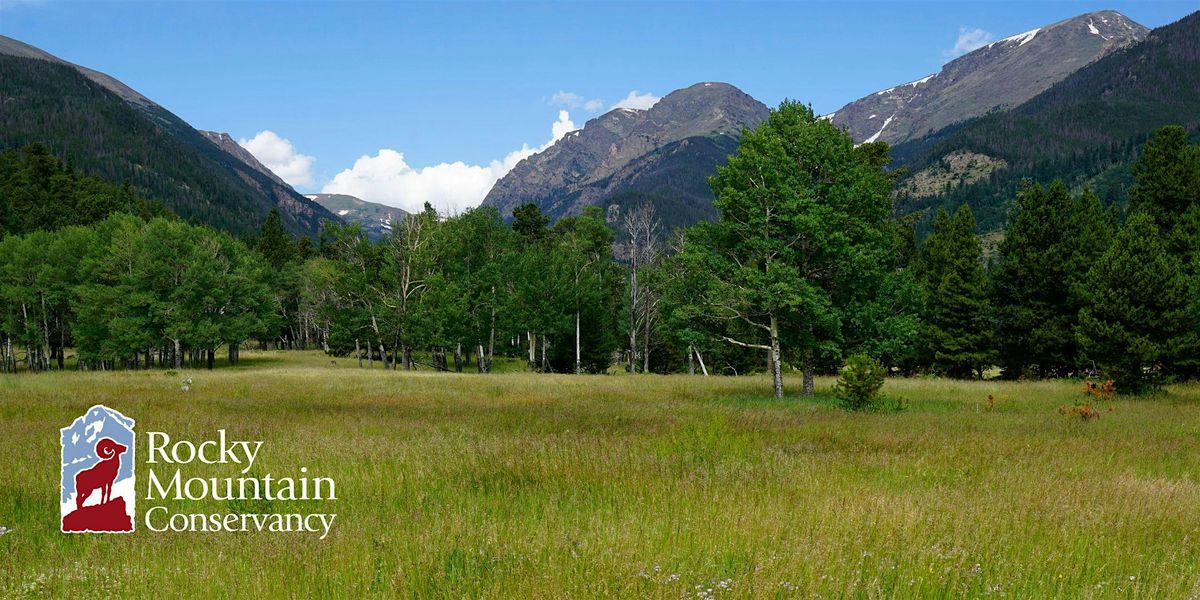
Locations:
{"points": [[545, 365], [776, 370], [633, 330], [383, 355], [45, 335], [578, 356], [646, 350], [458, 358], [808, 372], [210, 355], [406, 357], [358, 352], [532, 351], [491, 336], [703, 369], [691, 360]]}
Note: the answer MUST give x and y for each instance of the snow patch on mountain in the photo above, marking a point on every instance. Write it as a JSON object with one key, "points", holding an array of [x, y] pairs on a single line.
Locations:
{"points": [[1023, 38], [886, 122]]}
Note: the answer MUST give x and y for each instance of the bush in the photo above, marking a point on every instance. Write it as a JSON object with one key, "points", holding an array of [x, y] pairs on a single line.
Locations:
{"points": [[859, 382]]}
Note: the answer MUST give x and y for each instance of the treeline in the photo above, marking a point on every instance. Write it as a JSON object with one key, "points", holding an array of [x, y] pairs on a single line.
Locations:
{"points": [[461, 290], [804, 267], [1074, 291], [127, 292]]}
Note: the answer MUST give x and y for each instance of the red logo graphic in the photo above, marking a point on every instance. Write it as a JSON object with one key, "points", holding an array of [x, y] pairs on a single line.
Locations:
{"points": [[97, 473]]}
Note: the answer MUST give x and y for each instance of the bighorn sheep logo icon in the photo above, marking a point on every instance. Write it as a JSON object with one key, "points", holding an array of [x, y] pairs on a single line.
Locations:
{"points": [[101, 475], [98, 473]]}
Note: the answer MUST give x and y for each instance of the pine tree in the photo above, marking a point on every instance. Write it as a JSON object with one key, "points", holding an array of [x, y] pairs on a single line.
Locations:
{"points": [[1137, 322], [1168, 177], [274, 242], [529, 222], [1034, 318], [1092, 229], [955, 333]]}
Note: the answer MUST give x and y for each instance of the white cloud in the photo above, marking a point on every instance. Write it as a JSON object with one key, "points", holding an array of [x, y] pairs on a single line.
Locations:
{"points": [[388, 179], [281, 157], [573, 100], [637, 100], [969, 38]]}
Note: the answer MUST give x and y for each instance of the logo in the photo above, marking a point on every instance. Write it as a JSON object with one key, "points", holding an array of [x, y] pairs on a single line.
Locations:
{"points": [[98, 486]]}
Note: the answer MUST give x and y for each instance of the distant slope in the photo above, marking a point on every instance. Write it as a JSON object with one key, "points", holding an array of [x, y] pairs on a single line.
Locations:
{"points": [[663, 154], [1085, 129], [376, 219], [226, 142], [673, 178], [110, 131], [998, 76]]}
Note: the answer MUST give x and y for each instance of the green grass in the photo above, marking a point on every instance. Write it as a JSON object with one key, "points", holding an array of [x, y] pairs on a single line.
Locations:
{"points": [[546, 486]]}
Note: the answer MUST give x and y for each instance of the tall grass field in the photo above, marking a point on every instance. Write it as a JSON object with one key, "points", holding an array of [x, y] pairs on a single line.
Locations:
{"points": [[558, 486]]}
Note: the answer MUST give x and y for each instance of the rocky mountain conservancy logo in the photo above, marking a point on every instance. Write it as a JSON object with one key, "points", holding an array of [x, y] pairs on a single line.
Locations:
{"points": [[99, 488], [98, 485]]}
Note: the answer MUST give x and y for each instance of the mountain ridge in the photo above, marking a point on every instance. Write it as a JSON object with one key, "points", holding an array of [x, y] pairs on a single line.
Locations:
{"points": [[111, 131], [998, 76], [1085, 130], [597, 162], [375, 219]]}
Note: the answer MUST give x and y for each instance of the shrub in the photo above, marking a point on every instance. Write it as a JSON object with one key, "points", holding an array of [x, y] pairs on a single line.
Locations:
{"points": [[859, 382], [1083, 411], [1104, 391]]}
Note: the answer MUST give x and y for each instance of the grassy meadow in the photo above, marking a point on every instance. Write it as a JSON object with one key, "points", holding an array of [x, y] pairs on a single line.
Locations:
{"points": [[551, 486]]}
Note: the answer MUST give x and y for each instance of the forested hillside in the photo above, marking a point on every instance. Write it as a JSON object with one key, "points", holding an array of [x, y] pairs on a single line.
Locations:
{"points": [[152, 150], [1085, 130], [674, 179], [37, 192]]}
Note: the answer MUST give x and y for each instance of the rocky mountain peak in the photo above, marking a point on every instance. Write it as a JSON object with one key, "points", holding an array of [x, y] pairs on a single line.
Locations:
{"points": [[579, 169], [997, 76]]}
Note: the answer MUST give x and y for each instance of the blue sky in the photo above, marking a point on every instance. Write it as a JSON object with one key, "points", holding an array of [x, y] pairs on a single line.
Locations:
{"points": [[476, 82]]}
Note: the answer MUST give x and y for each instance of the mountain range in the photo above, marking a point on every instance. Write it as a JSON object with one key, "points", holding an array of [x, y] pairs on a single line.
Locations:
{"points": [[1070, 100], [109, 130]]}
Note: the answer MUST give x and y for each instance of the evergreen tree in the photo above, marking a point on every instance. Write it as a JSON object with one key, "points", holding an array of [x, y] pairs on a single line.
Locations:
{"points": [[1092, 230], [1168, 177], [529, 222], [1137, 322], [274, 243], [1035, 318], [955, 332]]}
